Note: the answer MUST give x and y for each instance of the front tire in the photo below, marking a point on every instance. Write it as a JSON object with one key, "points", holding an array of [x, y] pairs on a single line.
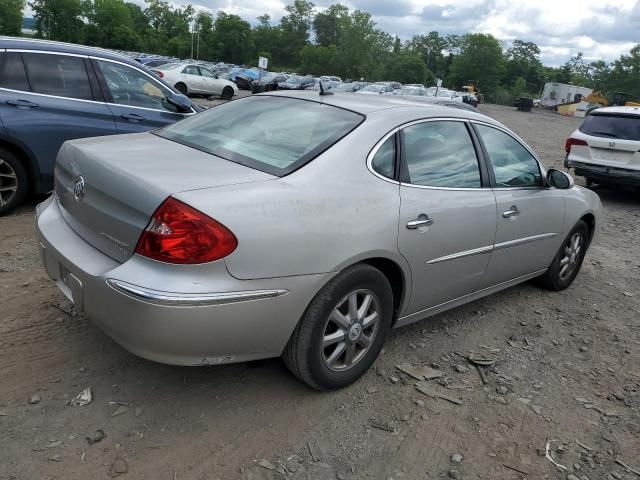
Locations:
{"points": [[227, 93], [343, 330], [14, 182], [567, 262]]}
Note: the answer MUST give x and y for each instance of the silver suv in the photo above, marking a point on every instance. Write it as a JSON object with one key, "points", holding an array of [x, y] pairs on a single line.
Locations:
{"points": [[606, 147]]}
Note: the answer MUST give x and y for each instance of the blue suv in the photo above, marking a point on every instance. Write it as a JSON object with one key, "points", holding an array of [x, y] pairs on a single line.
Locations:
{"points": [[51, 92]]}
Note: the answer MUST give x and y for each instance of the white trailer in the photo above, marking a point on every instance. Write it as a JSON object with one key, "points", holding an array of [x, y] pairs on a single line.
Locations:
{"points": [[555, 94]]}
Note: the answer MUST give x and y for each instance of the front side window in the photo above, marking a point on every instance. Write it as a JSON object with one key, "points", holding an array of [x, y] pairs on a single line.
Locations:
{"points": [[441, 154], [513, 165], [385, 158], [12, 72], [206, 73], [272, 134], [58, 75], [129, 86]]}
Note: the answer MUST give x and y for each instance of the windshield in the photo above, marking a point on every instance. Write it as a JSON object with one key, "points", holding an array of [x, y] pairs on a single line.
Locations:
{"points": [[257, 131], [295, 80], [412, 91], [624, 127], [371, 88], [444, 94]]}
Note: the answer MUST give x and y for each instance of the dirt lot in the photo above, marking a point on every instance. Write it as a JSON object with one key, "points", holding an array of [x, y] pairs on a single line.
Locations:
{"points": [[568, 370]]}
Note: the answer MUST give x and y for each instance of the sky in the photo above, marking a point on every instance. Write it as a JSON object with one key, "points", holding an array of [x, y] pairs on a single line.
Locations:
{"points": [[601, 29]]}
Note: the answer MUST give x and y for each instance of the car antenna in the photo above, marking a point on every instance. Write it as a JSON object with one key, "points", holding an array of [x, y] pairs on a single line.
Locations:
{"points": [[324, 92]]}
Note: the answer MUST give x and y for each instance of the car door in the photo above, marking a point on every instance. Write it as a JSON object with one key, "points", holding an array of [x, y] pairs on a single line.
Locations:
{"points": [[47, 99], [447, 213], [136, 98], [191, 76], [530, 215], [211, 85]]}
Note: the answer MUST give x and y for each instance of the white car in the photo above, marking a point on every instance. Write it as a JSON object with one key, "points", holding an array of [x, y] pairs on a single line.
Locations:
{"points": [[606, 147], [375, 89], [190, 78], [449, 95]]}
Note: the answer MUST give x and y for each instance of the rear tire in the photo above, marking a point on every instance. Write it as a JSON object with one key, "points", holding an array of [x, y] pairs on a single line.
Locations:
{"points": [[182, 88], [565, 266], [14, 182], [343, 330], [227, 93]]}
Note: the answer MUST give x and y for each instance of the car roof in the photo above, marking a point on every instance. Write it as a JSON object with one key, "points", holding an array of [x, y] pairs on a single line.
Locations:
{"points": [[369, 104], [616, 110], [61, 47]]}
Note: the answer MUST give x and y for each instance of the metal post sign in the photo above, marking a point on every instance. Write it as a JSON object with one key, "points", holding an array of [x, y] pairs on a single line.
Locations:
{"points": [[263, 62]]}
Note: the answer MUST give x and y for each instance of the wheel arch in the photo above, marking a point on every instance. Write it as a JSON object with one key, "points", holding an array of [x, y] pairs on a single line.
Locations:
{"points": [[396, 277], [27, 159], [590, 220]]}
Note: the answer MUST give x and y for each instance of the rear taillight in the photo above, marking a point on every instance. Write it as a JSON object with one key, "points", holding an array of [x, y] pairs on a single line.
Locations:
{"points": [[573, 141], [178, 233], [159, 73]]}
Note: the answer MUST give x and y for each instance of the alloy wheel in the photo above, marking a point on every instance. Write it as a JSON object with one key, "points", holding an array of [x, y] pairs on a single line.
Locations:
{"points": [[8, 183], [350, 330], [571, 255]]}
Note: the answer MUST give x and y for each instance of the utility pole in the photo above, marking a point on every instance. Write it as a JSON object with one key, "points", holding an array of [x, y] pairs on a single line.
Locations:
{"points": [[198, 46]]}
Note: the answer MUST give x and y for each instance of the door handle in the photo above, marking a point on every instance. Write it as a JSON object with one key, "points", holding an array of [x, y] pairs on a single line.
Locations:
{"points": [[423, 220], [22, 103], [512, 212], [133, 117]]}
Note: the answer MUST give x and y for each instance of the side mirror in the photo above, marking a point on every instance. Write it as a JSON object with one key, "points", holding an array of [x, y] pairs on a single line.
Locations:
{"points": [[559, 179], [181, 102], [216, 76]]}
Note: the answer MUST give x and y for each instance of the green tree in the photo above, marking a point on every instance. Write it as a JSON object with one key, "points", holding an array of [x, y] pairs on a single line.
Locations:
{"points": [[318, 60], [407, 67], [327, 25], [430, 48], [625, 74], [59, 19], [480, 59], [110, 25], [232, 39], [295, 27], [579, 69], [11, 17], [523, 62]]}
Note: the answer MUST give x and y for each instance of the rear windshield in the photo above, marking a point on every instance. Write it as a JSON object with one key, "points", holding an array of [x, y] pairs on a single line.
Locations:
{"points": [[276, 135], [612, 126]]}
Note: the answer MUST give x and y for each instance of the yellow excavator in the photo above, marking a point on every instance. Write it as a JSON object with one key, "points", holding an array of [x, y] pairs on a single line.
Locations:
{"points": [[615, 99], [472, 88]]}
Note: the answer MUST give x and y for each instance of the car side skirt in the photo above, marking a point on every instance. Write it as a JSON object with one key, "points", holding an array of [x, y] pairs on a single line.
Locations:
{"points": [[431, 311]]}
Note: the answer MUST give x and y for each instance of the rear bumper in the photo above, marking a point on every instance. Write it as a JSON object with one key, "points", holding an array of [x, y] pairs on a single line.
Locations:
{"points": [[189, 323], [607, 174]]}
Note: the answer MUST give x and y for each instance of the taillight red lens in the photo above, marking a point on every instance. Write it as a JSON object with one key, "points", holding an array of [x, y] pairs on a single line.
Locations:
{"points": [[573, 141], [159, 73], [178, 233]]}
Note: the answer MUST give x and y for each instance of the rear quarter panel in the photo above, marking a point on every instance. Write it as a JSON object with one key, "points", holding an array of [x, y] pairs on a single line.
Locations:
{"points": [[327, 215]]}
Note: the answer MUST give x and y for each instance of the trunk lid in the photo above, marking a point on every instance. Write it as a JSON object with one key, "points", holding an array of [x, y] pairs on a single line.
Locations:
{"points": [[108, 187]]}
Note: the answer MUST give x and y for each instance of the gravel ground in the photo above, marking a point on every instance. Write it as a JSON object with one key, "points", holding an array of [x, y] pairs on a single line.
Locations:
{"points": [[567, 373]]}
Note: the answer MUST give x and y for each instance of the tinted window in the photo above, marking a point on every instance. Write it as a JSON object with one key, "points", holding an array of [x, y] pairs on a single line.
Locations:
{"points": [[385, 158], [441, 154], [612, 126], [206, 73], [58, 75], [272, 134], [131, 87], [191, 70], [513, 165], [12, 72]]}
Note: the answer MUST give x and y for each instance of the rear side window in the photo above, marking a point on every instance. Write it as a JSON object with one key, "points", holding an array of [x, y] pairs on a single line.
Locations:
{"points": [[623, 127], [274, 134], [385, 158], [12, 72], [441, 154], [58, 75]]}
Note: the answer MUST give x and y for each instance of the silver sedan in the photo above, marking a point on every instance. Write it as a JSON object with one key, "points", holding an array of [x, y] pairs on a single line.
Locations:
{"points": [[304, 226]]}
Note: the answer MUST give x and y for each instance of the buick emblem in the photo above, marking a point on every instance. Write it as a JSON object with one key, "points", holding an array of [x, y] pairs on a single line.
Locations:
{"points": [[79, 188], [612, 144]]}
